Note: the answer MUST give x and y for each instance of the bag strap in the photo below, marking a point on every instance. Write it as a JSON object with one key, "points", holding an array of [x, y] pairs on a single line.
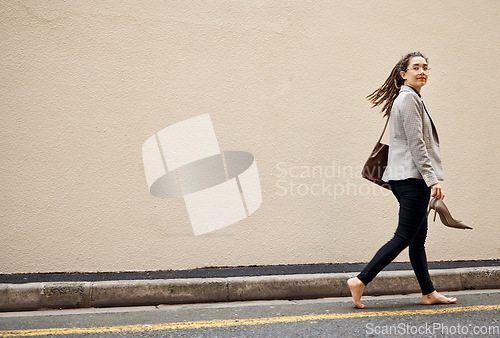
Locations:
{"points": [[383, 131]]}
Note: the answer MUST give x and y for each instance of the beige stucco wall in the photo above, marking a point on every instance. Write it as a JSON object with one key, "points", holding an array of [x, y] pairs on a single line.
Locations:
{"points": [[84, 84]]}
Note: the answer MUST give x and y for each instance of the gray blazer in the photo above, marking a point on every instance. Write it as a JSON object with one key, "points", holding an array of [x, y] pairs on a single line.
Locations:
{"points": [[414, 143]]}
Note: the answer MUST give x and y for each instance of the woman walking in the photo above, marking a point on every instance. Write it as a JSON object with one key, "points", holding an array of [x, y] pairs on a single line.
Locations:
{"points": [[413, 171]]}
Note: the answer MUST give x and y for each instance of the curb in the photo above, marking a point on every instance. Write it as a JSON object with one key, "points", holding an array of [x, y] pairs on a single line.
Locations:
{"points": [[58, 295]]}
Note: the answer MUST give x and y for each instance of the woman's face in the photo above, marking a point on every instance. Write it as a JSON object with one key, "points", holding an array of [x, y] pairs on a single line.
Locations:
{"points": [[416, 73]]}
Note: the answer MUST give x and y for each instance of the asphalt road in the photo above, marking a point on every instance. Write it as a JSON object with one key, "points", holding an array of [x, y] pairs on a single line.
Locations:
{"points": [[475, 314]]}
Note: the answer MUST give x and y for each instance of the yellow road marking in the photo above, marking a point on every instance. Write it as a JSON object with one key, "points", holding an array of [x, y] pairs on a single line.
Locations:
{"points": [[240, 322]]}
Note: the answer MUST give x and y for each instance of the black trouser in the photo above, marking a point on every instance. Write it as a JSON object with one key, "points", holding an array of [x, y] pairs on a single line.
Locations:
{"points": [[413, 197]]}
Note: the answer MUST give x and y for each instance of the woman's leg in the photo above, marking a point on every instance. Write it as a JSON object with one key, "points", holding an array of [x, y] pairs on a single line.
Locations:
{"points": [[413, 196], [418, 260]]}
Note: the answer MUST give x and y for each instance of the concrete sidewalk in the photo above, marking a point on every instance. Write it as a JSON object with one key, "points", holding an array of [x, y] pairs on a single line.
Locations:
{"points": [[57, 295]]}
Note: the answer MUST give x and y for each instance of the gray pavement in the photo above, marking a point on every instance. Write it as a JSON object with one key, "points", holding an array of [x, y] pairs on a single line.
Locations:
{"points": [[143, 292], [474, 314]]}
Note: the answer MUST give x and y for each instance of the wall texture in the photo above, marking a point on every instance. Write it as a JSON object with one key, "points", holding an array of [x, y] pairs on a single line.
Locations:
{"points": [[83, 85]]}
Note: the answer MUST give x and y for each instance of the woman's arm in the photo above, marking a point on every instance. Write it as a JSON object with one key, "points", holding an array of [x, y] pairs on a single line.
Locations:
{"points": [[412, 115]]}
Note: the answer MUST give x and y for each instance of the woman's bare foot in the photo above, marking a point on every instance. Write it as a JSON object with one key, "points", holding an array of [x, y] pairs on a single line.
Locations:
{"points": [[437, 298], [356, 286]]}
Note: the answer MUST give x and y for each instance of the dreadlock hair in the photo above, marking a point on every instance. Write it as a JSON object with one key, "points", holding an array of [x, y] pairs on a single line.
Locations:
{"points": [[390, 89]]}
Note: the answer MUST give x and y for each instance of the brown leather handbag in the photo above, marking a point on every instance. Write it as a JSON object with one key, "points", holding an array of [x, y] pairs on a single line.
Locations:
{"points": [[377, 162]]}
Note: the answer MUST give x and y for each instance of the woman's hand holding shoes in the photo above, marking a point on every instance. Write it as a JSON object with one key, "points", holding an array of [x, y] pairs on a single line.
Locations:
{"points": [[437, 191]]}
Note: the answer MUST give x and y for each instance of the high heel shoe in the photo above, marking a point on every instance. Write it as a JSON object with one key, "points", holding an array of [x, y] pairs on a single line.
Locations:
{"points": [[440, 208]]}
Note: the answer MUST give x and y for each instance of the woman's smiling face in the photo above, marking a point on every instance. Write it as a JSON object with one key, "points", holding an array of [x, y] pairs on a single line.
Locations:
{"points": [[416, 73]]}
